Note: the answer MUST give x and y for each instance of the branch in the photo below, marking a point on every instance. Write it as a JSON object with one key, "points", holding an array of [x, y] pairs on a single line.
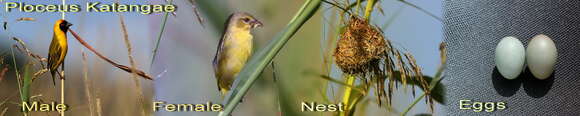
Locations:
{"points": [[122, 67], [196, 12]]}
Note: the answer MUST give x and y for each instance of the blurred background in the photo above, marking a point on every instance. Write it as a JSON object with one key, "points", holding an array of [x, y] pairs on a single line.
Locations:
{"points": [[183, 71]]}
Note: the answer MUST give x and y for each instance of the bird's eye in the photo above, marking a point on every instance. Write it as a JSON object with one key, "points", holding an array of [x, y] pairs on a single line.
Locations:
{"points": [[246, 20]]}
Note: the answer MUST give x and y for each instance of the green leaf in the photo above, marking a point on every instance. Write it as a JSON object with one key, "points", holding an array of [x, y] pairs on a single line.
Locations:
{"points": [[157, 43], [356, 97], [259, 61], [27, 81]]}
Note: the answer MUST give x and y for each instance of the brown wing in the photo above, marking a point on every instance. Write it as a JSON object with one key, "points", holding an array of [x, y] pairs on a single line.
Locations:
{"points": [[219, 49], [218, 56], [55, 55]]}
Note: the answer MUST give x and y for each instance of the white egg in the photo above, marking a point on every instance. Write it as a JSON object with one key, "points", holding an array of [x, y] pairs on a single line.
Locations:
{"points": [[510, 56], [541, 56]]}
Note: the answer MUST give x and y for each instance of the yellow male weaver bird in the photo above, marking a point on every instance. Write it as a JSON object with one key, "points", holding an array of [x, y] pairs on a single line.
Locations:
{"points": [[234, 49], [58, 48]]}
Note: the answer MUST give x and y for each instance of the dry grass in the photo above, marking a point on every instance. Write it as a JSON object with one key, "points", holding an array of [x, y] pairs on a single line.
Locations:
{"points": [[21, 46], [99, 107], [140, 99], [196, 12], [3, 113], [87, 83]]}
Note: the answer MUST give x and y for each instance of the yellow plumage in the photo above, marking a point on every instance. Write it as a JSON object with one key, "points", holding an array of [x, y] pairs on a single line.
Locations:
{"points": [[234, 49], [58, 47]]}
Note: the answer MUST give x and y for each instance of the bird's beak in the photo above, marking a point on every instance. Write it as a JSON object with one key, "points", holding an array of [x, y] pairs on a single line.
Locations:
{"points": [[256, 23], [68, 24]]}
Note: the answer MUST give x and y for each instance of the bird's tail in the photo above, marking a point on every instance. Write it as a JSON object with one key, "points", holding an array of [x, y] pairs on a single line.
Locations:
{"points": [[223, 91], [53, 81]]}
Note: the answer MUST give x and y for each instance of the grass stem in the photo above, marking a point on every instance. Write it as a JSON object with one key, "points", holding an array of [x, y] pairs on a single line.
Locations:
{"points": [[99, 107], [135, 78], [339, 82], [369, 9], [358, 7], [87, 83], [18, 78], [62, 94], [350, 79], [160, 35]]}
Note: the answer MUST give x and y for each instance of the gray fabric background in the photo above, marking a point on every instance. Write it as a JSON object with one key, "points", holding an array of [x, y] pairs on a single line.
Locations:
{"points": [[472, 30]]}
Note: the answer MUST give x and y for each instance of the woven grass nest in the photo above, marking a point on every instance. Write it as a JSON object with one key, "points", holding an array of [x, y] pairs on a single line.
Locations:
{"points": [[360, 44]]}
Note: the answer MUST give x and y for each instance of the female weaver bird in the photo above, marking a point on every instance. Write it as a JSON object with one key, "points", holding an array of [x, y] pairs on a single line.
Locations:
{"points": [[234, 48], [58, 48]]}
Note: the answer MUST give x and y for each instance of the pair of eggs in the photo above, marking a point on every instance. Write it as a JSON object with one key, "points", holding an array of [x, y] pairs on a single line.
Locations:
{"points": [[540, 56]]}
